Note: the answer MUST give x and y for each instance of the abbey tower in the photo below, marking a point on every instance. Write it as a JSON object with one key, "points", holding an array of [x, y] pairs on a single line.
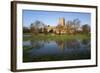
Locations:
{"points": [[61, 22]]}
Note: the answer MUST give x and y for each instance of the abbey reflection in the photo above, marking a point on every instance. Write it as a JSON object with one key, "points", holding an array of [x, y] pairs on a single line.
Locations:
{"points": [[61, 45], [72, 44]]}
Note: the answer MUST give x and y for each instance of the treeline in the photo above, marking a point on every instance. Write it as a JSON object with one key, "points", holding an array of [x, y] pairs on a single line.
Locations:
{"points": [[70, 27], [75, 26]]}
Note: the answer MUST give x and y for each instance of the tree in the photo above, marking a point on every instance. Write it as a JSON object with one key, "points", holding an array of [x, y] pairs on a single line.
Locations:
{"points": [[69, 26], [73, 26], [61, 29], [26, 30], [86, 28], [34, 30], [45, 31], [37, 27], [76, 25]]}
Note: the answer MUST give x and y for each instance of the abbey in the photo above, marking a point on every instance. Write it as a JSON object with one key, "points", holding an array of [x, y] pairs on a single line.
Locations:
{"points": [[62, 27]]}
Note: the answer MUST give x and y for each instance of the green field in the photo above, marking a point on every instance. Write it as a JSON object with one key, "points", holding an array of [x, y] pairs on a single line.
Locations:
{"points": [[56, 37]]}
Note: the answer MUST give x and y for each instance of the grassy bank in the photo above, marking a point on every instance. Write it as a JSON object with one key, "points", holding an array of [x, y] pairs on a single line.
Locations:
{"points": [[56, 37]]}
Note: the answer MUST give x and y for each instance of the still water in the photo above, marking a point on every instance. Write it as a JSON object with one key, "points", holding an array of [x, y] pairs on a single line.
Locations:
{"points": [[35, 51]]}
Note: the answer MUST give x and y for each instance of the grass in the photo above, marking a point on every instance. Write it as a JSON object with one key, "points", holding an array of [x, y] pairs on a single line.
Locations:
{"points": [[56, 37]]}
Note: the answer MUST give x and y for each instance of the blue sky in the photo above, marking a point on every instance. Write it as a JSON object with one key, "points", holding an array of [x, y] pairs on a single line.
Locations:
{"points": [[51, 17]]}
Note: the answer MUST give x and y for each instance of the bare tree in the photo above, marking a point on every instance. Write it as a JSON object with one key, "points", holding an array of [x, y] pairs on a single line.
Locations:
{"points": [[69, 26], [37, 27], [76, 25]]}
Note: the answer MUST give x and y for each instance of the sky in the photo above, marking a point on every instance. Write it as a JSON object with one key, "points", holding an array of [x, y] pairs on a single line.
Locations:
{"points": [[51, 17]]}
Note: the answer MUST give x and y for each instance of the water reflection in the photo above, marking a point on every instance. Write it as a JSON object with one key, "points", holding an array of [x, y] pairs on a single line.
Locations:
{"points": [[56, 50]]}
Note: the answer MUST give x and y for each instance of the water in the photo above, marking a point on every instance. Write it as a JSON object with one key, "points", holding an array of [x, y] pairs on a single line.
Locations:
{"points": [[35, 51]]}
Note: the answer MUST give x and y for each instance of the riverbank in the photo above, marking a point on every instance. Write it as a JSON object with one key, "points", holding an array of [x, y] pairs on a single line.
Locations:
{"points": [[55, 37]]}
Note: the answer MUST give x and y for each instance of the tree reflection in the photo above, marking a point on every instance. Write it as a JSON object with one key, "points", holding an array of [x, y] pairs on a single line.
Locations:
{"points": [[86, 43], [56, 50], [72, 44], [37, 44]]}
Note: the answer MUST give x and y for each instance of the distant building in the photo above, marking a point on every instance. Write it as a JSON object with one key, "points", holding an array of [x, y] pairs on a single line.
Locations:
{"points": [[61, 28], [61, 22], [41, 27]]}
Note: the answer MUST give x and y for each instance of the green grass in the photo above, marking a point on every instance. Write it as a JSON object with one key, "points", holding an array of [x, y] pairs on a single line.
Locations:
{"points": [[56, 37]]}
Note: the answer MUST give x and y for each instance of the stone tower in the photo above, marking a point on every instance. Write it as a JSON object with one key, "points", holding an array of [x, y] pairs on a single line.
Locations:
{"points": [[61, 22]]}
